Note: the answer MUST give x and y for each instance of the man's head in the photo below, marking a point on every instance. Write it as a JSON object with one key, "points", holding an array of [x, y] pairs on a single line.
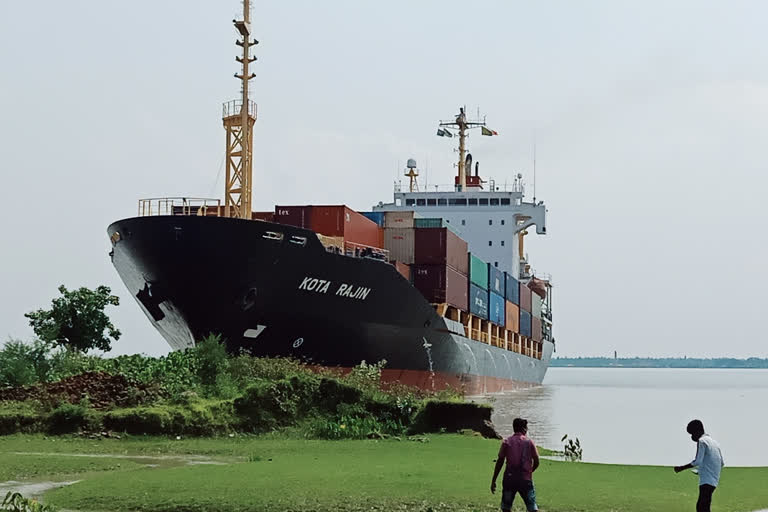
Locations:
{"points": [[520, 426], [696, 429]]}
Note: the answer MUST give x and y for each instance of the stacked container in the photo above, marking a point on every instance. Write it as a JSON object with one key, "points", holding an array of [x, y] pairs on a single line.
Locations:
{"points": [[293, 216], [399, 220], [525, 323], [525, 298], [478, 301], [440, 246], [332, 221], [441, 284], [495, 280], [496, 308], [478, 271], [265, 216], [400, 244], [512, 317], [536, 304], [536, 331], [377, 217], [512, 289]]}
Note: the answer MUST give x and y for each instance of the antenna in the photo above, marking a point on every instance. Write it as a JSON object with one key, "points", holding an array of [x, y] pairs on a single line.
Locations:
{"points": [[239, 117], [462, 124], [534, 170]]}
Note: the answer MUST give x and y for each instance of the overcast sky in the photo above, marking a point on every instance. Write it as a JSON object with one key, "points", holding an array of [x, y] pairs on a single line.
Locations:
{"points": [[650, 118]]}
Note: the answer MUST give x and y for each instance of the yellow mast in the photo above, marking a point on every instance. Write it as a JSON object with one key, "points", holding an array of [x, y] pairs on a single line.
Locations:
{"points": [[239, 117], [462, 125]]}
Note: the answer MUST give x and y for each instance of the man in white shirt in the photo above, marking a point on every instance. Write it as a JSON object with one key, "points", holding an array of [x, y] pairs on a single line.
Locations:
{"points": [[709, 461]]}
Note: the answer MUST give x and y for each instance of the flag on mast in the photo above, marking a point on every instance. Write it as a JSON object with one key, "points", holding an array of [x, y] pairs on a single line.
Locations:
{"points": [[443, 133], [488, 131]]}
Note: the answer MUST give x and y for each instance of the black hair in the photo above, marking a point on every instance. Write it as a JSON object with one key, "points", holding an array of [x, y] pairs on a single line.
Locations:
{"points": [[695, 427], [520, 425]]}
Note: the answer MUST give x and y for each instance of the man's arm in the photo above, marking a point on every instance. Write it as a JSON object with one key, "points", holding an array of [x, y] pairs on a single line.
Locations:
{"points": [[497, 468], [695, 462], [535, 457]]}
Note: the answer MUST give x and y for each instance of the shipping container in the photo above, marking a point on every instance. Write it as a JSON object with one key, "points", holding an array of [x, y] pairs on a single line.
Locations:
{"points": [[495, 280], [512, 317], [536, 304], [345, 222], [478, 301], [377, 217], [440, 247], [404, 269], [536, 332], [400, 244], [513, 289], [428, 222], [496, 308], [525, 297], [441, 284], [478, 271], [402, 219], [293, 216], [525, 323], [265, 216]]}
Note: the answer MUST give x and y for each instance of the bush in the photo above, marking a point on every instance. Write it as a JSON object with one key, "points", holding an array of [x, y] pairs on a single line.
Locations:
{"points": [[23, 364], [211, 358], [67, 418], [196, 418], [269, 404], [19, 417], [437, 416]]}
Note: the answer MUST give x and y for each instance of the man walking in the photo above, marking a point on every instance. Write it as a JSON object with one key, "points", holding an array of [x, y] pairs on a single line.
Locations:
{"points": [[709, 461], [522, 459]]}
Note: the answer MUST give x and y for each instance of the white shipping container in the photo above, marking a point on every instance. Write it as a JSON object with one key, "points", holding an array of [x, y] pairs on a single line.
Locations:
{"points": [[403, 219], [536, 303], [400, 242]]}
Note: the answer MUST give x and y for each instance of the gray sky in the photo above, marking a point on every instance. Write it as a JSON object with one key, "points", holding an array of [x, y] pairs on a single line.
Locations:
{"points": [[650, 120]]}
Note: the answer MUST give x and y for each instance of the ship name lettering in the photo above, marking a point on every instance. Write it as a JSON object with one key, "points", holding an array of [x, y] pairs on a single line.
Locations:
{"points": [[313, 284], [348, 290]]}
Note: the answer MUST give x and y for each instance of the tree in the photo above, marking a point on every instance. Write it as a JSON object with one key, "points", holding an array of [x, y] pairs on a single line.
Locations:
{"points": [[77, 320]]}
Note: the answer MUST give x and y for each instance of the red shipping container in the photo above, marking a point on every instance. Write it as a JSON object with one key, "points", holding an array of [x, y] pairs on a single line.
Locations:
{"points": [[441, 246], [298, 216], [525, 298], [267, 216], [512, 317], [404, 269], [536, 332], [441, 284], [345, 222]]}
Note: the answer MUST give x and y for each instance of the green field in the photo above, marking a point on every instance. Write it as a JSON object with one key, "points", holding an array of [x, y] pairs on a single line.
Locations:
{"points": [[447, 473]]}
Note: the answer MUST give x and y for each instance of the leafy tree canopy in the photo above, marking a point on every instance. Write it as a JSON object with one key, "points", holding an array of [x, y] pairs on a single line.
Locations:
{"points": [[77, 320]]}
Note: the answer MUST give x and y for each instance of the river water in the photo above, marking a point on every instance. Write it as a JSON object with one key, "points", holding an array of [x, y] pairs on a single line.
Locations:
{"points": [[638, 416]]}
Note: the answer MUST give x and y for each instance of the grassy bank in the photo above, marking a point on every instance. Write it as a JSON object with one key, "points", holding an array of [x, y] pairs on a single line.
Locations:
{"points": [[448, 472]]}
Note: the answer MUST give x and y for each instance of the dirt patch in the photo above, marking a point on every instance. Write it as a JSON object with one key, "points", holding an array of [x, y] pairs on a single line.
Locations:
{"points": [[101, 389]]}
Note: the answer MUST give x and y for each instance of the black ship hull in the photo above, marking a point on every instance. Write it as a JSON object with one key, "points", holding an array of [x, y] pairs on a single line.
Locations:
{"points": [[274, 290]]}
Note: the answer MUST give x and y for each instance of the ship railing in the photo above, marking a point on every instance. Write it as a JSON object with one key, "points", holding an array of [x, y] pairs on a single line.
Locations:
{"points": [[451, 187], [235, 108], [186, 206], [365, 251]]}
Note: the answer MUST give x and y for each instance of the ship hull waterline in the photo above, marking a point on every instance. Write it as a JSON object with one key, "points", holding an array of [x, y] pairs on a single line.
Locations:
{"points": [[273, 290]]}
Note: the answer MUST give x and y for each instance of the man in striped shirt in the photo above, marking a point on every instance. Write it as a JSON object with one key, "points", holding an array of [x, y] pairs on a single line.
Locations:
{"points": [[709, 461]]}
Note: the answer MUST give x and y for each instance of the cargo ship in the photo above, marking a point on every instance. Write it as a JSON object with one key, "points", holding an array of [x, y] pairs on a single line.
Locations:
{"points": [[435, 283]]}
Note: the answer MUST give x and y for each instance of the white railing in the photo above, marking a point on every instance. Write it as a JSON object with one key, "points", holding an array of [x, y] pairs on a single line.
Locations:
{"points": [[180, 206]]}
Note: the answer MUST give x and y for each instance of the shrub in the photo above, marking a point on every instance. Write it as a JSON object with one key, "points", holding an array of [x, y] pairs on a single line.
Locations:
{"points": [[67, 418], [23, 364], [15, 502], [437, 415], [196, 418], [19, 417], [211, 361], [269, 404]]}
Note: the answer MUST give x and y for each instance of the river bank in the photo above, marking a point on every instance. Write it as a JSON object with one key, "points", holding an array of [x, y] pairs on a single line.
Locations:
{"points": [[271, 473]]}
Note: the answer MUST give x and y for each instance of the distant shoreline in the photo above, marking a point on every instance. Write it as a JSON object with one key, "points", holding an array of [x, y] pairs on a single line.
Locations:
{"points": [[664, 362]]}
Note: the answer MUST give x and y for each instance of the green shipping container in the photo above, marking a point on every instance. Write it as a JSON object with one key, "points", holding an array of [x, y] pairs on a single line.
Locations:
{"points": [[478, 271], [428, 223]]}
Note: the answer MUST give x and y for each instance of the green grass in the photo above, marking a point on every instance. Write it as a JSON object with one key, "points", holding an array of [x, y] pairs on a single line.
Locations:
{"points": [[448, 473], [37, 467]]}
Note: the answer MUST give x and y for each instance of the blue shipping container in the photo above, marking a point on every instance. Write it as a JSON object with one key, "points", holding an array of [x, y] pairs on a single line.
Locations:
{"points": [[377, 217], [525, 323], [478, 301], [496, 304], [513, 289], [495, 280]]}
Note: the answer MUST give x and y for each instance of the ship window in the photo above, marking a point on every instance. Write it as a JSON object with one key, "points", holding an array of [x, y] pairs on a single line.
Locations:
{"points": [[463, 222], [442, 202], [490, 243], [483, 202], [457, 202], [421, 202], [431, 202], [490, 222], [494, 201], [502, 222], [505, 201], [398, 202], [472, 201], [502, 243], [496, 264], [410, 202]]}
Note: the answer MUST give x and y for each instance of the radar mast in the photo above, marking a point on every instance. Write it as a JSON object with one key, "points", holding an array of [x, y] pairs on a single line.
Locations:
{"points": [[239, 117], [462, 125]]}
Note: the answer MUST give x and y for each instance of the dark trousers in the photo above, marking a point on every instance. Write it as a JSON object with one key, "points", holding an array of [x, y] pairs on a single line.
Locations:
{"points": [[705, 497]]}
